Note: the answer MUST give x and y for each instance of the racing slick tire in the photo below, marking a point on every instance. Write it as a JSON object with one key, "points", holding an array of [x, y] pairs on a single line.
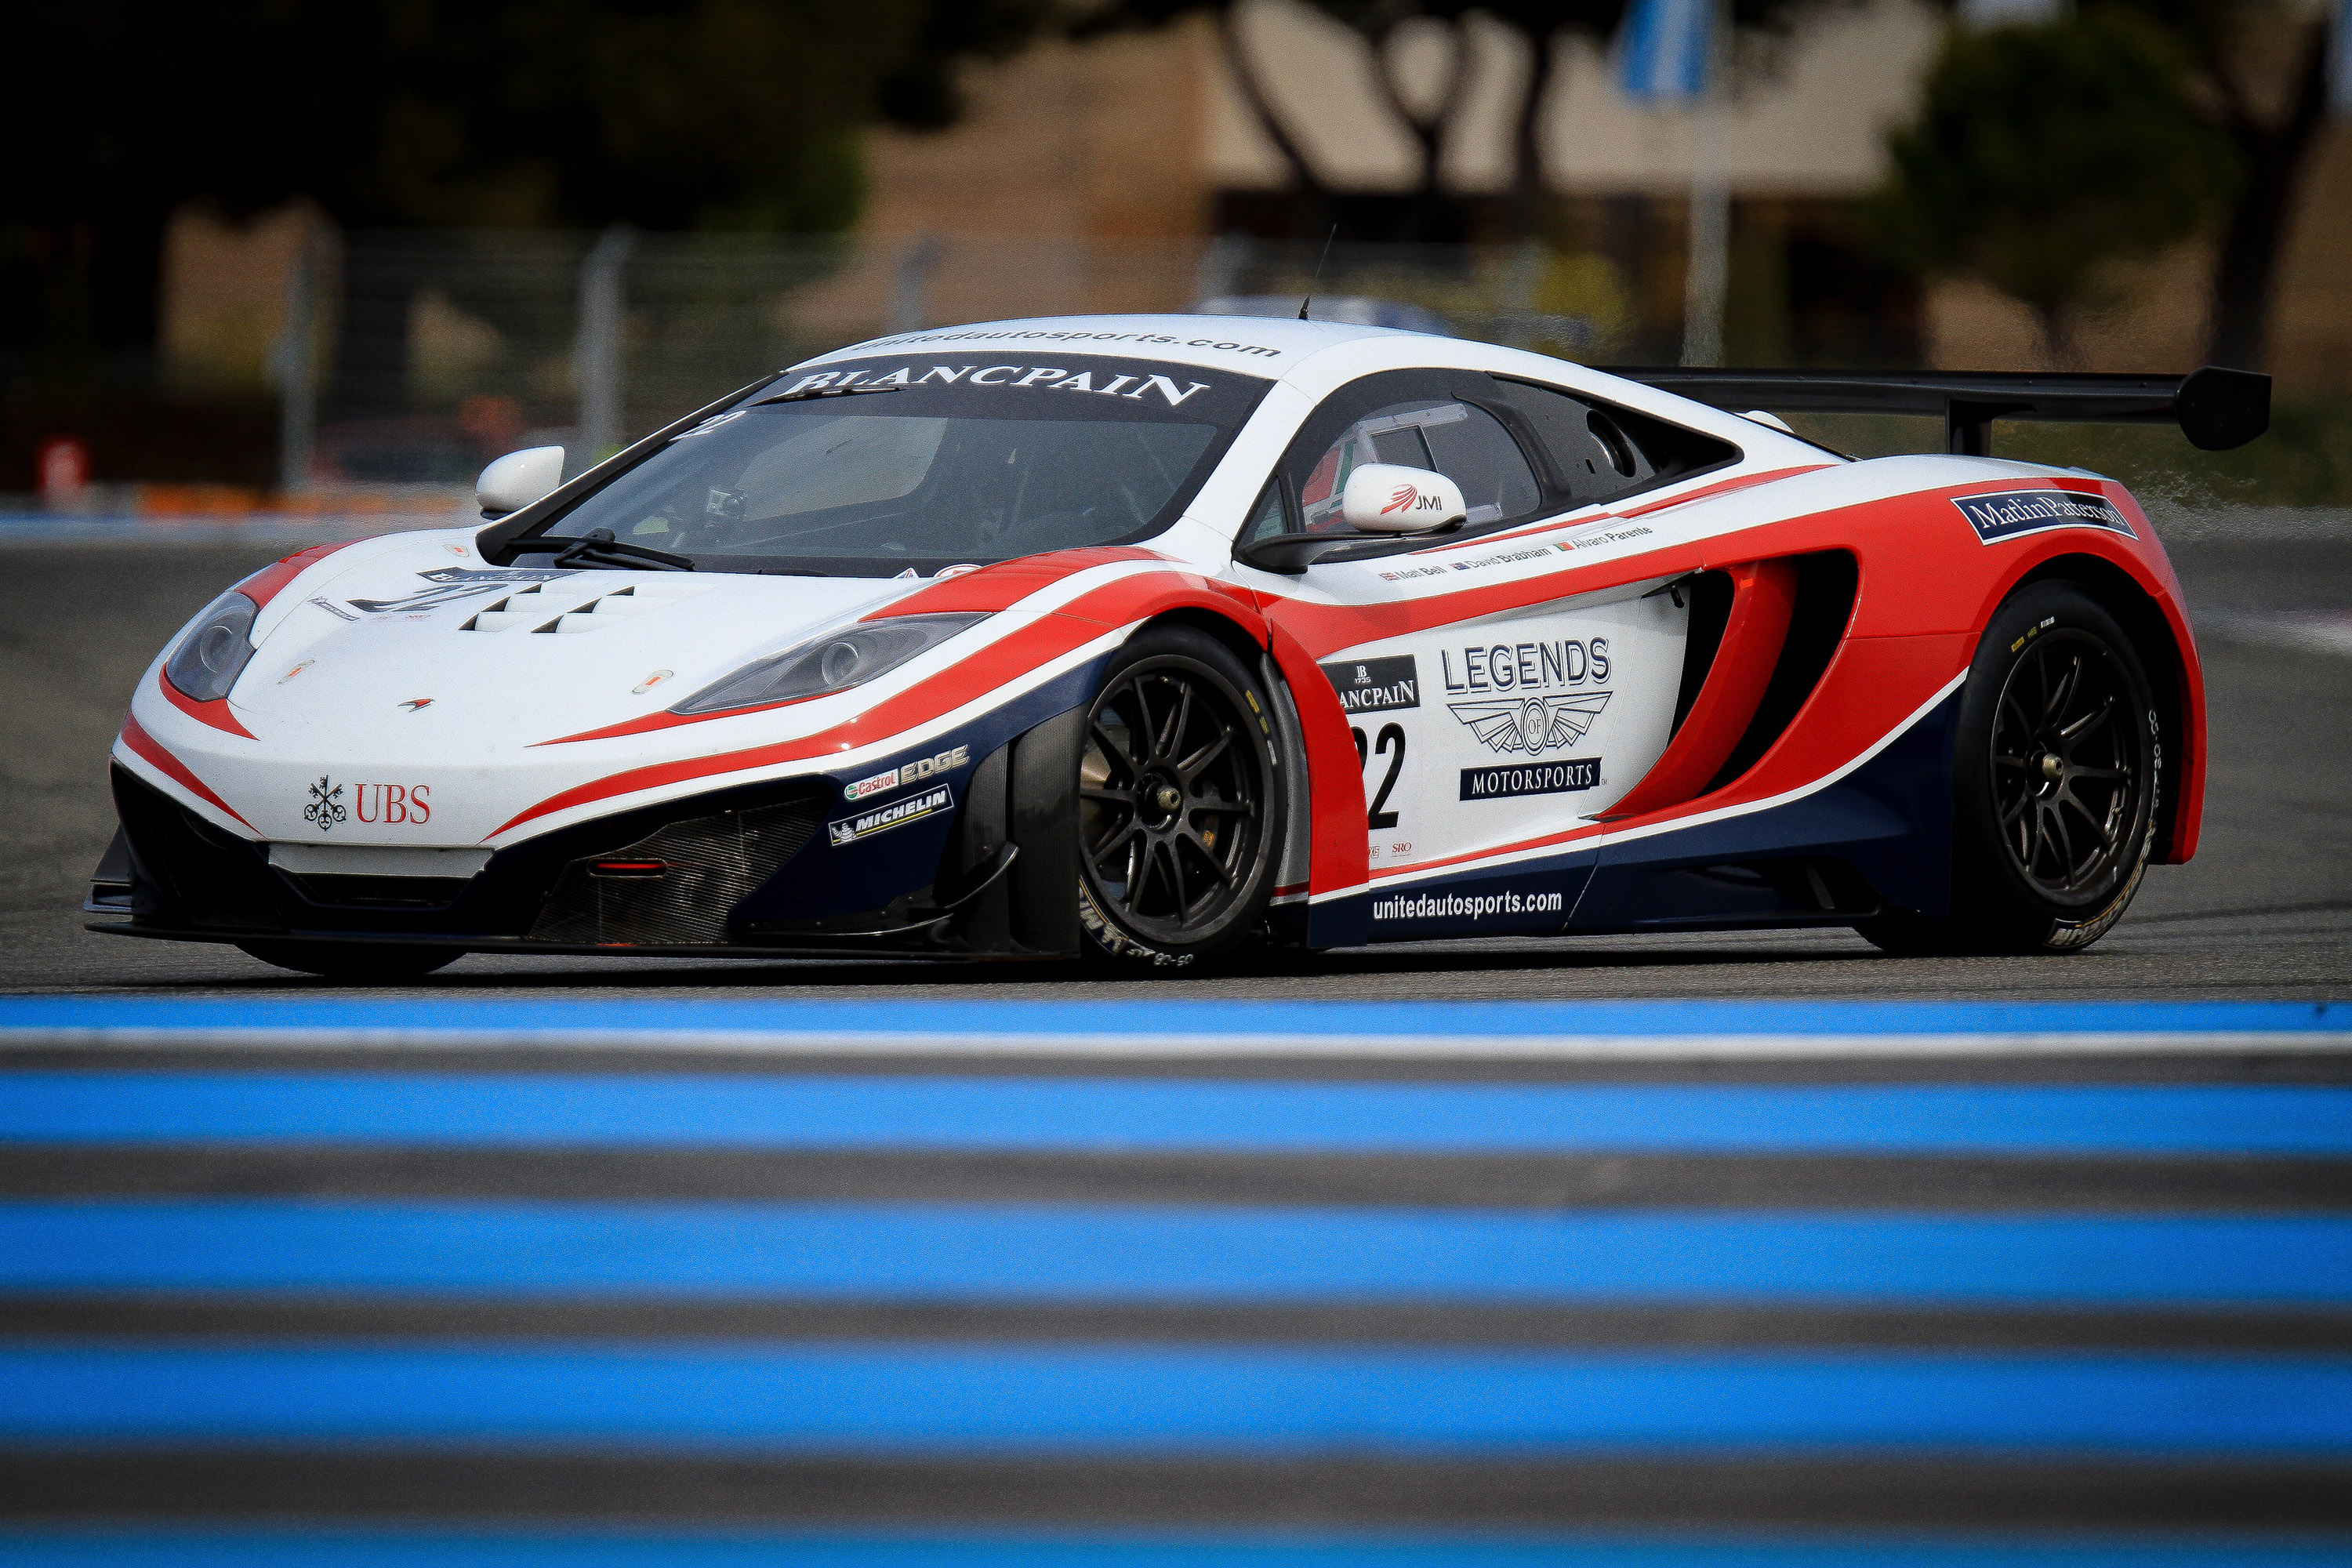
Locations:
{"points": [[1179, 809], [2056, 778], [353, 963]]}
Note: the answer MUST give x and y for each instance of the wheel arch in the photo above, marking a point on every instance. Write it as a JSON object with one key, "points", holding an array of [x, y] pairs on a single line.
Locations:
{"points": [[1324, 845], [2172, 668]]}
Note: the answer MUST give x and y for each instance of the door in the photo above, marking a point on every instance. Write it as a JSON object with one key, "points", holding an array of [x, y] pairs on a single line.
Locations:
{"points": [[1487, 715]]}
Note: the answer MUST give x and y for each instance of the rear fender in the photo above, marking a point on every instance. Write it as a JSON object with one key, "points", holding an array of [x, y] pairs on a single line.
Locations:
{"points": [[2140, 591]]}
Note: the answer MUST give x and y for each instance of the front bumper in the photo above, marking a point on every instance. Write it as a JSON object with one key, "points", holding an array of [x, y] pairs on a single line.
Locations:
{"points": [[743, 873]]}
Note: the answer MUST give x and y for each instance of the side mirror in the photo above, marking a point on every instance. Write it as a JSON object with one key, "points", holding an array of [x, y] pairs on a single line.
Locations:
{"points": [[513, 482], [1382, 501], [1389, 498]]}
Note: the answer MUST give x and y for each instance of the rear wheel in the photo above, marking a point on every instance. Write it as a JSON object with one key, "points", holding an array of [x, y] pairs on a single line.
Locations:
{"points": [[2057, 777], [353, 963], [1179, 818]]}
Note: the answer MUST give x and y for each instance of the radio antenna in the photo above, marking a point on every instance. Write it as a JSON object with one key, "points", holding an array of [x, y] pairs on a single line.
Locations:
{"points": [[1319, 260]]}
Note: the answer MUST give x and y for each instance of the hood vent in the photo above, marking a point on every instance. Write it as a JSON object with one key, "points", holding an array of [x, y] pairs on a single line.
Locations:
{"points": [[535, 609]]}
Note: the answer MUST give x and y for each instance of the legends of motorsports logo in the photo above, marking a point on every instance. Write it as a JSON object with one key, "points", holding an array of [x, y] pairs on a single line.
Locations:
{"points": [[1528, 713]]}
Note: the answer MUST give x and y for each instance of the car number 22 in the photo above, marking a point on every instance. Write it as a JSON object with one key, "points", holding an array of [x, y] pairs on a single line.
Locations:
{"points": [[1390, 743]]}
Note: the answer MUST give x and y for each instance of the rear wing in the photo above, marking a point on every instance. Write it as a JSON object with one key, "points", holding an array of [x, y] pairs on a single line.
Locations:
{"points": [[2216, 408]]}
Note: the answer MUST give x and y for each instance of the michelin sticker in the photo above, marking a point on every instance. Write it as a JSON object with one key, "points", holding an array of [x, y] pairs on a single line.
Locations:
{"points": [[914, 808]]}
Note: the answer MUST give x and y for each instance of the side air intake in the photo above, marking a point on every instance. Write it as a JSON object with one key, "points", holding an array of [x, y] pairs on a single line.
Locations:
{"points": [[676, 886]]}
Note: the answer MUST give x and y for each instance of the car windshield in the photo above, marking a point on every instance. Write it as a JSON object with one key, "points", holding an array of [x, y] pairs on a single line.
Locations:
{"points": [[893, 467]]}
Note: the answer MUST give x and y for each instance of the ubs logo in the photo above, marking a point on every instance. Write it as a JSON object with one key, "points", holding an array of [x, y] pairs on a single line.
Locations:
{"points": [[405, 805], [326, 807]]}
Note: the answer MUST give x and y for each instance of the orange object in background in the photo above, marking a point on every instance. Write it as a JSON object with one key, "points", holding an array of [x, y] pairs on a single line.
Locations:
{"points": [[63, 464], [195, 500]]}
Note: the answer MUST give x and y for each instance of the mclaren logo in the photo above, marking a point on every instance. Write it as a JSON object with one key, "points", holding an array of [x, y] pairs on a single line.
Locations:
{"points": [[1531, 724]]}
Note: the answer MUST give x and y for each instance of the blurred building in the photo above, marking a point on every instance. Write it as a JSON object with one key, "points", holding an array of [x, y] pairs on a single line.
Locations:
{"points": [[1128, 172], [1146, 137]]}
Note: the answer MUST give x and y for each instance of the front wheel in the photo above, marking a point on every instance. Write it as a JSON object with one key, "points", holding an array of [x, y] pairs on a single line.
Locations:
{"points": [[1180, 829], [353, 963], [2057, 777]]}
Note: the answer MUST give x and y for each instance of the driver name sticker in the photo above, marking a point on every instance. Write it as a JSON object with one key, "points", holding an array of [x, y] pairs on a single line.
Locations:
{"points": [[2007, 514], [914, 808]]}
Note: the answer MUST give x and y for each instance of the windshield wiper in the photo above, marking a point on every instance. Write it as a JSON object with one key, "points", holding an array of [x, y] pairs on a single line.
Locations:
{"points": [[804, 394], [599, 549]]}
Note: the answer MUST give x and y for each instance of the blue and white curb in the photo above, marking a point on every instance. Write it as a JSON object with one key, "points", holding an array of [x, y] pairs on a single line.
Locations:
{"points": [[1632, 1031]]}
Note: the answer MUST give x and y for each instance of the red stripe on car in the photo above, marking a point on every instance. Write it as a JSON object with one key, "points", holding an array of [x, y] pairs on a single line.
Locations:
{"points": [[146, 746], [270, 581], [214, 713]]}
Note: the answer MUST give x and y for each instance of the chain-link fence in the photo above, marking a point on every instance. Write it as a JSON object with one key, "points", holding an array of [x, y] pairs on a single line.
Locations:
{"points": [[407, 359], [414, 355]]}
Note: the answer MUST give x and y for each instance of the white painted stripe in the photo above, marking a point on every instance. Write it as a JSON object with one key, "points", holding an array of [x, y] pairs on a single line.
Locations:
{"points": [[1446, 1048]]}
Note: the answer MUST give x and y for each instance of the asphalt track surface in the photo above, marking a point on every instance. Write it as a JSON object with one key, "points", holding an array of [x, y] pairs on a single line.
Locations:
{"points": [[550, 1261], [509, 1281], [2264, 910]]}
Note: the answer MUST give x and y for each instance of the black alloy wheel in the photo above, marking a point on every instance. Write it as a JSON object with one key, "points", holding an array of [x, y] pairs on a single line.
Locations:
{"points": [[2057, 771], [1177, 833], [2067, 763]]}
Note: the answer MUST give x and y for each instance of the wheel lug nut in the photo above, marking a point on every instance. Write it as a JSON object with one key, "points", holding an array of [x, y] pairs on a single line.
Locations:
{"points": [[1169, 798]]}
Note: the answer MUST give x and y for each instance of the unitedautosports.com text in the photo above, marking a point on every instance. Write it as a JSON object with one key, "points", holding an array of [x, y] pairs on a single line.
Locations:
{"points": [[1427, 906]]}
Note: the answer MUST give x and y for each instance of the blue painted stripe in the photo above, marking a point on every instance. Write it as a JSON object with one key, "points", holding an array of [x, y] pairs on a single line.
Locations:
{"points": [[1086, 1253], [863, 1398], [1112, 1114], [296, 1548], [1339, 1020]]}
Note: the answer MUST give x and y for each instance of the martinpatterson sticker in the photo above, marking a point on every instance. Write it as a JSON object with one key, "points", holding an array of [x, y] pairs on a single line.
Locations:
{"points": [[1375, 685], [1533, 778], [897, 815], [2005, 514]]}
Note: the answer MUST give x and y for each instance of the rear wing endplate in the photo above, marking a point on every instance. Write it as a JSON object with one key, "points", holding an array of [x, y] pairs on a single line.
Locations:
{"points": [[2216, 408]]}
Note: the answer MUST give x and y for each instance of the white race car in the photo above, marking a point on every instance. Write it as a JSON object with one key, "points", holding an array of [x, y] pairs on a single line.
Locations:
{"points": [[1142, 637]]}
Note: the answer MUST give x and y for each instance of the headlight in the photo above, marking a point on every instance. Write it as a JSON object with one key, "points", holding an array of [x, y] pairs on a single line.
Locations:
{"points": [[834, 662], [214, 652]]}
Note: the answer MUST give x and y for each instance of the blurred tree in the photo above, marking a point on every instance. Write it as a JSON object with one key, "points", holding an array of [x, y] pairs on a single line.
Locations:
{"points": [[1541, 25], [2043, 153], [1104, 17], [1759, 27], [665, 114], [2261, 74]]}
